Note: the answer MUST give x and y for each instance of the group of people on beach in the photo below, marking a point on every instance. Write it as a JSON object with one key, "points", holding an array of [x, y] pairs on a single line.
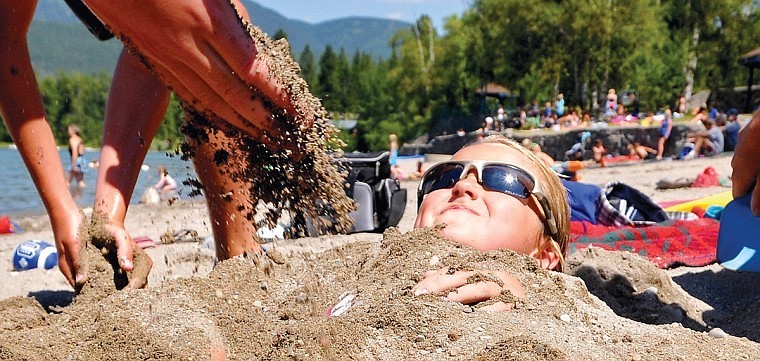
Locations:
{"points": [[556, 115], [492, 194]]}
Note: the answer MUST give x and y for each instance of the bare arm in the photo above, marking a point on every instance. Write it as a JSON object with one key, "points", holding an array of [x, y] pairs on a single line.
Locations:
{"points": [[746, 163], [24, 116], [136, 106]]}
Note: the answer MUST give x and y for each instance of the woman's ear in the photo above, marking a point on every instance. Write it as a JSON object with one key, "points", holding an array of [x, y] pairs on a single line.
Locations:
{"points": [[546, 255]]}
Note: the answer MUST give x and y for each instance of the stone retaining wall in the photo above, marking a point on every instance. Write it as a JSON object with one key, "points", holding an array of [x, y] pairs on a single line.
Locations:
{"points": [[556, 143]]}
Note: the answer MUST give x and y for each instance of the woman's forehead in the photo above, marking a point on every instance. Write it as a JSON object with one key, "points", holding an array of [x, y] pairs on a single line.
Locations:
{"points": [[494, 152]]}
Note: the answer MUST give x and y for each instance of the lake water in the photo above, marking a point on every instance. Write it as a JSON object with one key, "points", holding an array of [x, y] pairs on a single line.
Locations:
{"points": [[18, 196]]}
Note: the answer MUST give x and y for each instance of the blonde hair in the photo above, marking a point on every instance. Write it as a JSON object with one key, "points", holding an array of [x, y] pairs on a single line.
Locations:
{"points": [[162, 170], [75, 129], [553, 190]]}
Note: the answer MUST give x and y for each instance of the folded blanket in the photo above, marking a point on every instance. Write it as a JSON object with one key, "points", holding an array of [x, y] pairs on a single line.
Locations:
{"points": [[668, 244]]}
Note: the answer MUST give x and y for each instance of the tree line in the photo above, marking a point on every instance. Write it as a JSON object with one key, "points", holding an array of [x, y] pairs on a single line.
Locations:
{"points": [[660, 48]]}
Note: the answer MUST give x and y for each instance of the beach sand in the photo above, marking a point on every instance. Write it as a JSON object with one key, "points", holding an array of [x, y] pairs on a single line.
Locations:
{"points": [[276, 306]]}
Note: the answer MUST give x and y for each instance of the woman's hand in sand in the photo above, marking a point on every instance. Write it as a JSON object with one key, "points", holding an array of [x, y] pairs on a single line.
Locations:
{"points": [[746, 163], [201, 49], [469, 287]]}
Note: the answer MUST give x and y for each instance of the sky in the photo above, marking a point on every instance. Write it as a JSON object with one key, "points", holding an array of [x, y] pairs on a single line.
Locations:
{"points": [[316, 11]]}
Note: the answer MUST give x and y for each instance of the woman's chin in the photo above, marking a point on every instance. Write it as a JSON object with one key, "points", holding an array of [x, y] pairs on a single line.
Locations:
{"points": [[452, 233]]}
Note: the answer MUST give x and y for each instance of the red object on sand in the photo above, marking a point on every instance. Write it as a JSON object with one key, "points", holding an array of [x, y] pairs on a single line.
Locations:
{"points": [[666, 204], [144, 242], [708, 178], [668, 244], [5, 225]]}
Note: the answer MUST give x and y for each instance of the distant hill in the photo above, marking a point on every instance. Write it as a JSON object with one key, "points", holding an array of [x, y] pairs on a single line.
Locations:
{"points": [[58, 42]]}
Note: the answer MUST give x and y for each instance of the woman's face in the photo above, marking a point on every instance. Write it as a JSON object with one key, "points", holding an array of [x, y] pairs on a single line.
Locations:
{"points": [[481, 219]]}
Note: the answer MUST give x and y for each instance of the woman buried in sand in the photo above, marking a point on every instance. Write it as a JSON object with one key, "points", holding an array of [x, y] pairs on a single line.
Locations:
{"points": [[491, 195]]}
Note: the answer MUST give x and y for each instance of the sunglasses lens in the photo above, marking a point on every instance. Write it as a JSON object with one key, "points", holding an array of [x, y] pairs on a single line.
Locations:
{"points": [[507, 180], [441, 176]]}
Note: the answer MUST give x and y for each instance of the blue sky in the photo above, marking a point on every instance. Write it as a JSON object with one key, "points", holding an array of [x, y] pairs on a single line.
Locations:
{"points": [[315, 11]]}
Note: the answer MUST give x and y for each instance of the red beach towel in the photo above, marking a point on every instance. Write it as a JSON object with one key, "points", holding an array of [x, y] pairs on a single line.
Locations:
{"points": [[668, 244]]}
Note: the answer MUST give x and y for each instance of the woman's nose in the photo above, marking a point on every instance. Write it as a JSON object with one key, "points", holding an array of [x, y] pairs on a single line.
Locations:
{"points": [[467, 187]]}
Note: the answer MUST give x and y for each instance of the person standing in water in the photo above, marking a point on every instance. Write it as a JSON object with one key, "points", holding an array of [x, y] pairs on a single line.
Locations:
{"points": [[76, 151], [166, 186]]}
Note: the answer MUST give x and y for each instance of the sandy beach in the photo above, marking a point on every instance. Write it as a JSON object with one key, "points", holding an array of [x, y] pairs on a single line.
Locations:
{"points": [[609, 305]]}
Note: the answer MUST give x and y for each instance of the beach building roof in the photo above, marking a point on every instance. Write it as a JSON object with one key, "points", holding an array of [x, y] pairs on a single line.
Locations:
{"points": [[493, 90], [751, 59]]}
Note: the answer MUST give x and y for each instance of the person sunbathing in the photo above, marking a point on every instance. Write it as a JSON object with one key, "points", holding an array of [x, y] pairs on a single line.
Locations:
{"points": [[599, 151], [494, 194], [642, 151]]}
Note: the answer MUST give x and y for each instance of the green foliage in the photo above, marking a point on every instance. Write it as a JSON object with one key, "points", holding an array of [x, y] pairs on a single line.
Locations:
{"points": [[81, 99], [308, 66], [76, 99], [580, 48], [536, 49]]}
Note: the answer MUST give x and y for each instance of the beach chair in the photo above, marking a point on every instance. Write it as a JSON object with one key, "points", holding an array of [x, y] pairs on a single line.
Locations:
{"points": [[379, 198]]}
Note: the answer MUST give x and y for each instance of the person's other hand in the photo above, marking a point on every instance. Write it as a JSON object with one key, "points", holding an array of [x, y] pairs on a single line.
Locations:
{"points": [[460, 290], [203, 52], [746, 163], [67, 235], [126, 253]]}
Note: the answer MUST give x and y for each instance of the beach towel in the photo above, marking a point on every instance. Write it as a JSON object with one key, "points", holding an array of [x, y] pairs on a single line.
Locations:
{"points": [[623, 159], [667, 244]]}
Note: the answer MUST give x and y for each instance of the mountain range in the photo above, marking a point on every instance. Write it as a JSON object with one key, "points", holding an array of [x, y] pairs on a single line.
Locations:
{"points": [[59, 42]]}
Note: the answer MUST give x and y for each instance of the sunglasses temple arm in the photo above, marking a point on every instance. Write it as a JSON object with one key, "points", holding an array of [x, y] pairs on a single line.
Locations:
{"points": [[551, 222]]}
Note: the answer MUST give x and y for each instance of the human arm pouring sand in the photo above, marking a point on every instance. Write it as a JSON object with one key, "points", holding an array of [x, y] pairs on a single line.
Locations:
{"points": [[745, 164], [226, 192], [491, 196], [202, 51]]}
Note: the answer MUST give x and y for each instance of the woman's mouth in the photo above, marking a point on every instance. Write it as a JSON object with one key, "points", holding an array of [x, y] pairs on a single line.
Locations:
{"points": [[459, 208]]}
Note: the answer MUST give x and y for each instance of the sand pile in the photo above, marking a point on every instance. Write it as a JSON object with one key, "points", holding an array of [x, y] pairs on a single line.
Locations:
{"points": [[276, 307]]}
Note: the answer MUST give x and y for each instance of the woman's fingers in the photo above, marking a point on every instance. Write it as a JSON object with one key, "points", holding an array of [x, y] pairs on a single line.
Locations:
{"points": [[440, 281], [474, 292]]}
